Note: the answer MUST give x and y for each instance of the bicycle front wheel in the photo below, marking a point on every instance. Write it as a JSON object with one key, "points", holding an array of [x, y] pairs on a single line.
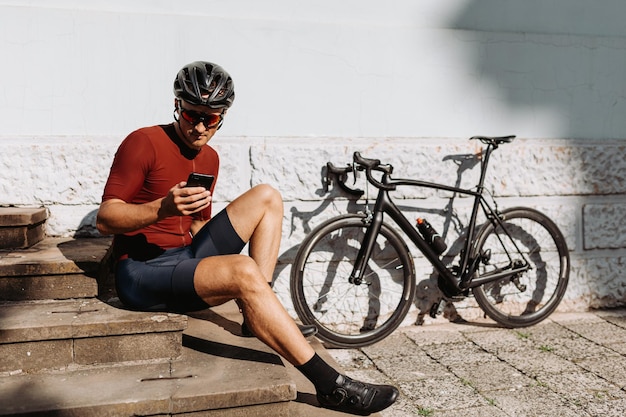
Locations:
{"points": [[350, 315], [524, 236]]}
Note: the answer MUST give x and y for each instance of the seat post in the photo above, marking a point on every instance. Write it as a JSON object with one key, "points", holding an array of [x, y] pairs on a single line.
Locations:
{"points": [[483, 166]]}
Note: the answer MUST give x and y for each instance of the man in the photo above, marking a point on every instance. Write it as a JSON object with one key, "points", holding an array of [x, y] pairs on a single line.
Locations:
{"points": [[173, 255]]}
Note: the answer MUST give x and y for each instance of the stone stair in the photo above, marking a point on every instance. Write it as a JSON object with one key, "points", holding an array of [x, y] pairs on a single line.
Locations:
{"points": [[67, 348]]}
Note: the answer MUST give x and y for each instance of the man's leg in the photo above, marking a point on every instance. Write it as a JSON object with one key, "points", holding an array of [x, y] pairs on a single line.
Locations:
{"points": [[222, 278], [257, 217], [218, 279]]}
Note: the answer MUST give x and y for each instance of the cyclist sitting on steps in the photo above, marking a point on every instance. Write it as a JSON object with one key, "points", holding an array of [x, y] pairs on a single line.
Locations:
{"points": [[173, 255]]}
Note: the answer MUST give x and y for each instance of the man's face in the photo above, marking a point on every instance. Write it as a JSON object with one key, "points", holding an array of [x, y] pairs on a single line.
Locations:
{"points": [[197, 124]]}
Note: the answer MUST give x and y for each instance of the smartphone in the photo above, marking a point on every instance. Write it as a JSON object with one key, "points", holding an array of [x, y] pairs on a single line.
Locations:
{"points": [[200, 180]]}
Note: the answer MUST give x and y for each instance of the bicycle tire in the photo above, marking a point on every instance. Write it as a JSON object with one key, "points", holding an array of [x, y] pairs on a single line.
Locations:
{"points": [[536, 293], [349, 315]]}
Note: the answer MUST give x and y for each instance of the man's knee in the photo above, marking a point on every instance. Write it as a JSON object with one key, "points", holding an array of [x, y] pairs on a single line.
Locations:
{"points": [[268, 195], [247, 276]]}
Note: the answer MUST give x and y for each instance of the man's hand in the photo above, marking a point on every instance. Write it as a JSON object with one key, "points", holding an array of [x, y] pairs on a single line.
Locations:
{"points": [[116, 216], [184, 201]]}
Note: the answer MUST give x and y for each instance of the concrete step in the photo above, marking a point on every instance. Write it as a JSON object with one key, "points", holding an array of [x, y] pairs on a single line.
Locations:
{"points": [[219, 374], [219, 329], [47, 335], [65, 353], [55, 268], [21, 227]]}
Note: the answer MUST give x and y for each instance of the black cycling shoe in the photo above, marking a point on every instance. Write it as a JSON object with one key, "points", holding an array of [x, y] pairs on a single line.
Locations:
{"points": [[307, 330], [356, 397]]}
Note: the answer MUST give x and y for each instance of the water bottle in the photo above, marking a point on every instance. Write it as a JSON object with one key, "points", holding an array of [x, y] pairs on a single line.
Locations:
{"points": [[431, 236]]}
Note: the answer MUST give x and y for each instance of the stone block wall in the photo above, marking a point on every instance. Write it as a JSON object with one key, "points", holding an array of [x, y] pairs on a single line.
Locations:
{"points": [[580, 184]]}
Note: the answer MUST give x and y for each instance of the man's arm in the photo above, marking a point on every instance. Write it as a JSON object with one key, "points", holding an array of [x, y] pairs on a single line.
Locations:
{"points": [[117, 216]]}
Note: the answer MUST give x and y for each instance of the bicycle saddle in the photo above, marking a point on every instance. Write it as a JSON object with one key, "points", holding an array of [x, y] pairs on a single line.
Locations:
{"points": [[494, 140]]}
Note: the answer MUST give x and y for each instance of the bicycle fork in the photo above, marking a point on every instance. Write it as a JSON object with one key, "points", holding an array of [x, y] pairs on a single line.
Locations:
{"points": [[375, 222]]}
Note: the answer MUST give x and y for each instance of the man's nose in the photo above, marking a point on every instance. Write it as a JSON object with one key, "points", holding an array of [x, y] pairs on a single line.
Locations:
{"points": [[200, 127]]}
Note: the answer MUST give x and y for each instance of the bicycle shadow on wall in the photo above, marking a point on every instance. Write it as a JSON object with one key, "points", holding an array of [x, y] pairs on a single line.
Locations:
{"points": [[428, 292], [559, 68]]}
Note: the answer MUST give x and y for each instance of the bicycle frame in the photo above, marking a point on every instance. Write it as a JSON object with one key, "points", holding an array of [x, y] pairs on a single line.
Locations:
{"points": [[468, 264]]}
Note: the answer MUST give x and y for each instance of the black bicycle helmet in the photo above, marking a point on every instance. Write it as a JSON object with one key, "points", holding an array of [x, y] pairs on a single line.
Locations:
{"points": [[206, 84]]}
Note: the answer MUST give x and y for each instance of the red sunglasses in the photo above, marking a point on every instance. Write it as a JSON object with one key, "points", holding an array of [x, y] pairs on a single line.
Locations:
{"points": [[193, 117]]}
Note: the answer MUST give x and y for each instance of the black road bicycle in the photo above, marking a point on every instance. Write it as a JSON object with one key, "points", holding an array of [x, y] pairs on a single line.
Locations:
{"points": [[354, 277]]}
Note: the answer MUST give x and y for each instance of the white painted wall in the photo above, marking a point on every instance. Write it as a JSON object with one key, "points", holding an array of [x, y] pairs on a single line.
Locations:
{"points": [[348, 68]]}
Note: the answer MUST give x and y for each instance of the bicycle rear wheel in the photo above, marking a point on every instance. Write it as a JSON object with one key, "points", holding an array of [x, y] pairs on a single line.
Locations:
{"points": [[350, 315], [529, 297]]}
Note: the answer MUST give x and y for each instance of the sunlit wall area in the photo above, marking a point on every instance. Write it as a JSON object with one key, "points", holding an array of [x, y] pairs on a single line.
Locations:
{"points": [[407, 82]]}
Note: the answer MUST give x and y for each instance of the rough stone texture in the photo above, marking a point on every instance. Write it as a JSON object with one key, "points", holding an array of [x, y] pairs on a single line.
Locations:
{"points": [[56, 287], [580, 184], [34, 356], [604, 226], [112, 349]]}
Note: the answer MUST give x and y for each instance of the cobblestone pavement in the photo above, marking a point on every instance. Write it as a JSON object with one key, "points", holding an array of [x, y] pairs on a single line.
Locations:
{"points": [[572, 364]]}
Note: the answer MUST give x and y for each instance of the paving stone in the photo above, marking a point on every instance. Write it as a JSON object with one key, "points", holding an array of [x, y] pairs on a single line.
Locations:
{"points": [[613, 368], [533, 401], [533, 361], [599, 332], [617, 347], [435, 337], [397, 344], [613, 408], [447, 393], [483, 411], [582, 387], [572, 317], [549, 331], [550, 369], [458, 353], [490, 376], [411, 368], [500, 340], [577, 349]]}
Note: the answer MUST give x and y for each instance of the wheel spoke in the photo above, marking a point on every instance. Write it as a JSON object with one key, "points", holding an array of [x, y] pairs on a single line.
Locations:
{"points": [[347, 314], [530, 296]]}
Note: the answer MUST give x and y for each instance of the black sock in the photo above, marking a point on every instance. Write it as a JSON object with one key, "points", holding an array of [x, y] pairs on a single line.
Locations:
{"points": [[321, 374]]}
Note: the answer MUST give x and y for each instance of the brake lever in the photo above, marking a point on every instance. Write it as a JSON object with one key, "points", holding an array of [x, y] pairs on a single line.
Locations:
{"points": [[354, 174]]}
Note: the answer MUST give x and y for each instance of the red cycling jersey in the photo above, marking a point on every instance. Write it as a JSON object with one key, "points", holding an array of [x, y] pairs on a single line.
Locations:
{"points": [[147, 164]]}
